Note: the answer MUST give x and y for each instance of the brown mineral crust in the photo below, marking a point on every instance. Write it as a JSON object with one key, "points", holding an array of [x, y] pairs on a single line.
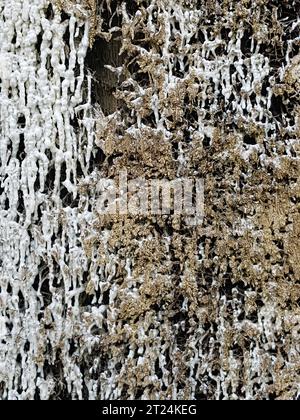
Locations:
{"points": [[163, 310], [250, 240]]}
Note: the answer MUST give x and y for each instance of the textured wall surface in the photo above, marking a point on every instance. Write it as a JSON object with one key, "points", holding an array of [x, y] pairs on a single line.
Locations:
{"points": [[130, 307]]}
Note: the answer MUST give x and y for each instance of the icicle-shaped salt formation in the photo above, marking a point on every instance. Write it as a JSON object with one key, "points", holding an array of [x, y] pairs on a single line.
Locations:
{"points": [[144, 307]]}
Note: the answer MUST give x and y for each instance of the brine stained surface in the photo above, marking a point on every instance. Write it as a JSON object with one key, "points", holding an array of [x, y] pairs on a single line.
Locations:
{"points": [[130, 307]]}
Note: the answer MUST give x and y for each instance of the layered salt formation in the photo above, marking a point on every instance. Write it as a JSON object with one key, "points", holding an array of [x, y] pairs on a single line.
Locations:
{"points": [[149, 307]]}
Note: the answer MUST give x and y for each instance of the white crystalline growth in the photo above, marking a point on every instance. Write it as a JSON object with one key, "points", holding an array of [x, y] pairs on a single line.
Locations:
{"points": [[42, 156], [149, 308]]}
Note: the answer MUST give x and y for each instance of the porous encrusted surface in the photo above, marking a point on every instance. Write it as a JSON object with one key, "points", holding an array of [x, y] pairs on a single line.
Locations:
{"points": [[144, 307]]}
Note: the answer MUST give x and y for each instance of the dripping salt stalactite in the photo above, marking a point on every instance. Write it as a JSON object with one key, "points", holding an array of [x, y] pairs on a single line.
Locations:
{"points": [[124, 308]]}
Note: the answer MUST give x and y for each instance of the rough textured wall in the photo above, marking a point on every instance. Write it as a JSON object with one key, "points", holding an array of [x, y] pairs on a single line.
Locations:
{"points": [[125, 307]]}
